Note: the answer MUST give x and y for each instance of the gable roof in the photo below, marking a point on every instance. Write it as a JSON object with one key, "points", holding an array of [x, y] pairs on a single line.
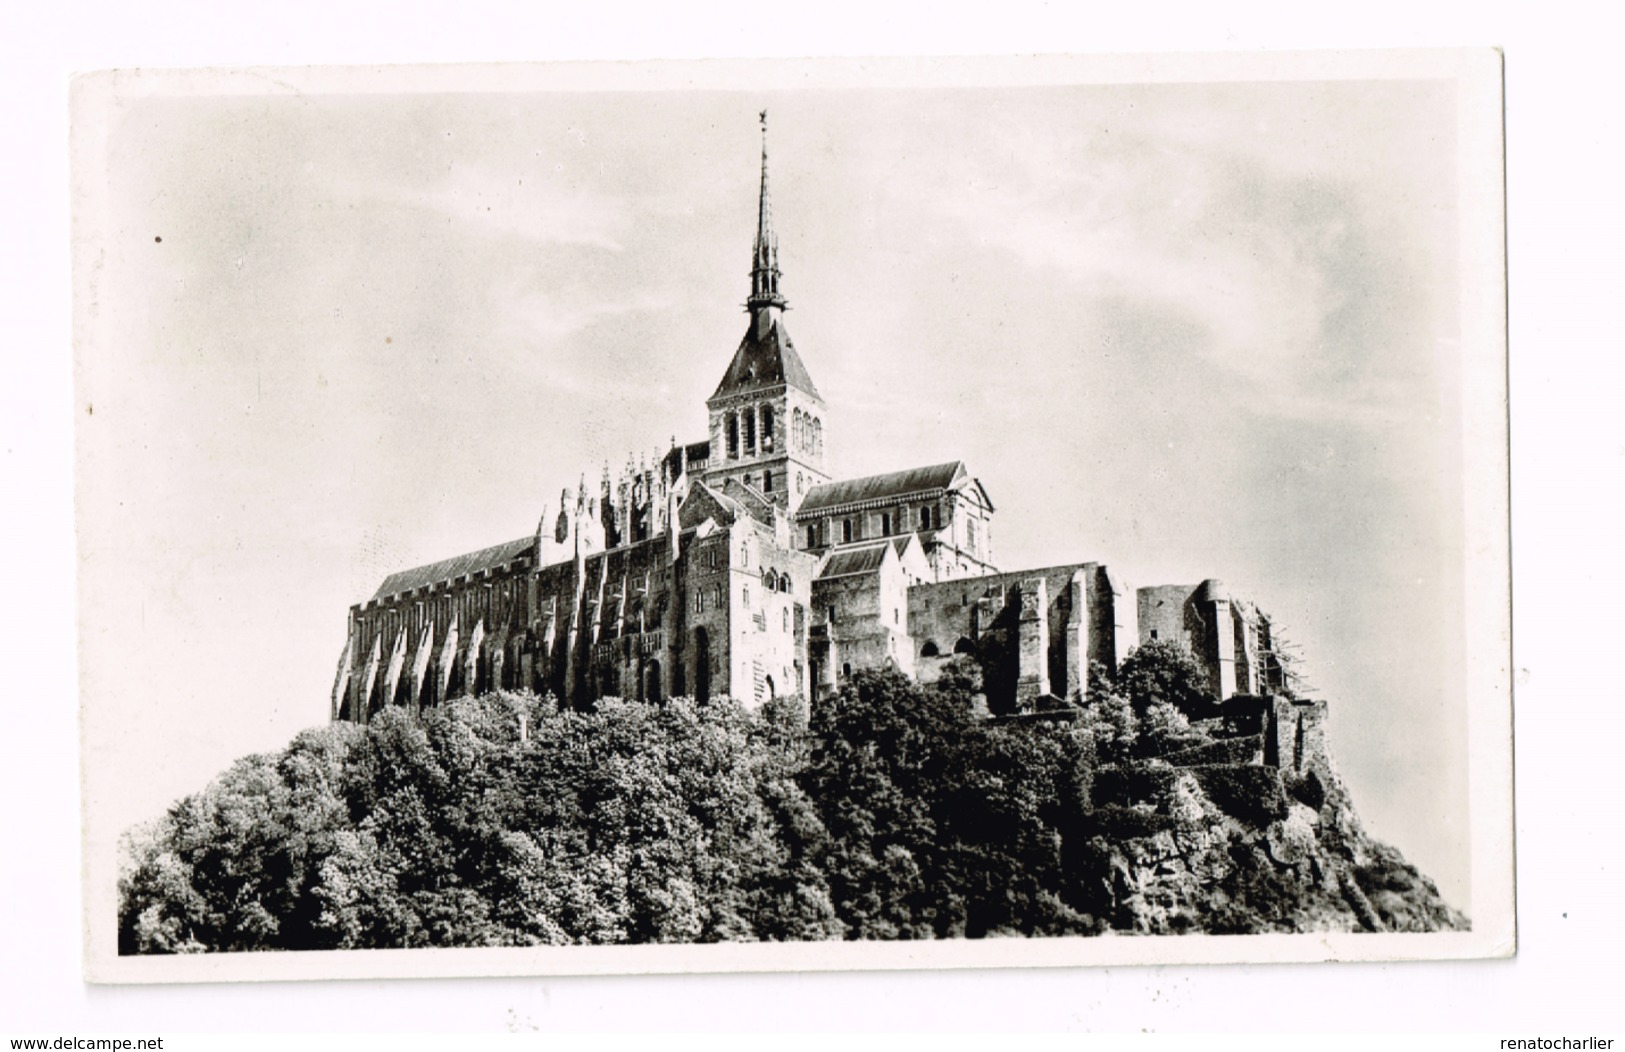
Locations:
{"points": [[705, 502], [447, 569], [881, 489], [765, 361], [856, 559]]}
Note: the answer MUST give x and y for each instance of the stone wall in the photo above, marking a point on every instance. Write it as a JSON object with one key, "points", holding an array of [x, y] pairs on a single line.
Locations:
{"points": [[727, 615], [1295, 739], [1033, 632], [1230, 638], [859, 621]]}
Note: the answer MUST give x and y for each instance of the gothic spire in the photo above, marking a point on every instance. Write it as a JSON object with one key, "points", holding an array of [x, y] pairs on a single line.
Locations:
{"points": [[764, 269]]}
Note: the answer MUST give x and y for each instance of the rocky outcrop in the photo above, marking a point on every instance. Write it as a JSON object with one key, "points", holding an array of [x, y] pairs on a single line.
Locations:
{"points": [[1204, 850]]}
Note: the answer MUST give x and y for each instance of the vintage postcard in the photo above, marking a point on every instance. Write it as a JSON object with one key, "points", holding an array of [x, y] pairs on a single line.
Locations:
{"points": [[792, 515]]}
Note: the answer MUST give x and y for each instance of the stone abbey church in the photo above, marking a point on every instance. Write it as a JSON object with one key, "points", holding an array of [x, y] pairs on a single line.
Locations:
{"points": [[738, 565]]}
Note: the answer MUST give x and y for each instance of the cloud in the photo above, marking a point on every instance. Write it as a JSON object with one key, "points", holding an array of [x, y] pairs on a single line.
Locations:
{"points": [[1276, 277]]}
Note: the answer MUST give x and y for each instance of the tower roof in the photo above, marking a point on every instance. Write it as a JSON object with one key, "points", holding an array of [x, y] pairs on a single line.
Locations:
{"points": [[765, 359]]}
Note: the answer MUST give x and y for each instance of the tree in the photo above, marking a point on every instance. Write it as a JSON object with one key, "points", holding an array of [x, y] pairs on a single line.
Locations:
{"points": [[1164, 671], [1108, 717]]}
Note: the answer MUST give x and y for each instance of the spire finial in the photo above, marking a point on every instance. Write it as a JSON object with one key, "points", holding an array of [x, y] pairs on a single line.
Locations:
{"points": [[764, 269]]}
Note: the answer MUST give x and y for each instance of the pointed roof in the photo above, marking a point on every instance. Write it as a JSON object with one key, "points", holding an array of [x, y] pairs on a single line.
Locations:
{"points": [[766, 357], [764, 264], [705, 502], [765, 360]]}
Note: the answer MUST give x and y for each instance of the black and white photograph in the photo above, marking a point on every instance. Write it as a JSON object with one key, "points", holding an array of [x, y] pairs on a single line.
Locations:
{"points": [[740, 516]]}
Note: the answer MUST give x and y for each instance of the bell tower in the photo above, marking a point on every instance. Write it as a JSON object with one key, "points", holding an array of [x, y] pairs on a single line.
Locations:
{"points": [[766, 417]]}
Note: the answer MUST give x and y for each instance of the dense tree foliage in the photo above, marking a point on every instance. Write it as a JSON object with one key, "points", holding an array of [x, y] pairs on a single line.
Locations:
{"points": [[1162, 671], [890, 811]]}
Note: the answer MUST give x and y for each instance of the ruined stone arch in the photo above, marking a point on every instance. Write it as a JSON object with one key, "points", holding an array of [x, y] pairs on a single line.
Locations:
{"points": [[930, 649], [964, 646]]}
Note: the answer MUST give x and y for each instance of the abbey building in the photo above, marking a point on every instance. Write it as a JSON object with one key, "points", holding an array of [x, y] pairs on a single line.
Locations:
{"points": [[739, 565]]}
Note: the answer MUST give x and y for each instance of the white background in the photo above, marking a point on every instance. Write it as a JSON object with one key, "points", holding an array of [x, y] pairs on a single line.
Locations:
{"points": [[1568, 469]]}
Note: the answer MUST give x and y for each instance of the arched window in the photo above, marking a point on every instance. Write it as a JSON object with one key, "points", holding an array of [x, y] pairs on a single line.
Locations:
{"points": [[798, 482], [748, 417], [787, 619], [818, 437], [964, 646], [846, 669], [716, 596], [930, 649], [767, 429], [730, 424], [699, 602]]}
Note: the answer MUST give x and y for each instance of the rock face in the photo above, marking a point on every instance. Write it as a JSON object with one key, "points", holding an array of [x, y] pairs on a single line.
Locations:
{"points": [[1207, 859]]}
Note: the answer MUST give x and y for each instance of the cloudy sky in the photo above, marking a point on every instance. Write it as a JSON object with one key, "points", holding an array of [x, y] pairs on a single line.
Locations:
{"points": [[1189, 330]]}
